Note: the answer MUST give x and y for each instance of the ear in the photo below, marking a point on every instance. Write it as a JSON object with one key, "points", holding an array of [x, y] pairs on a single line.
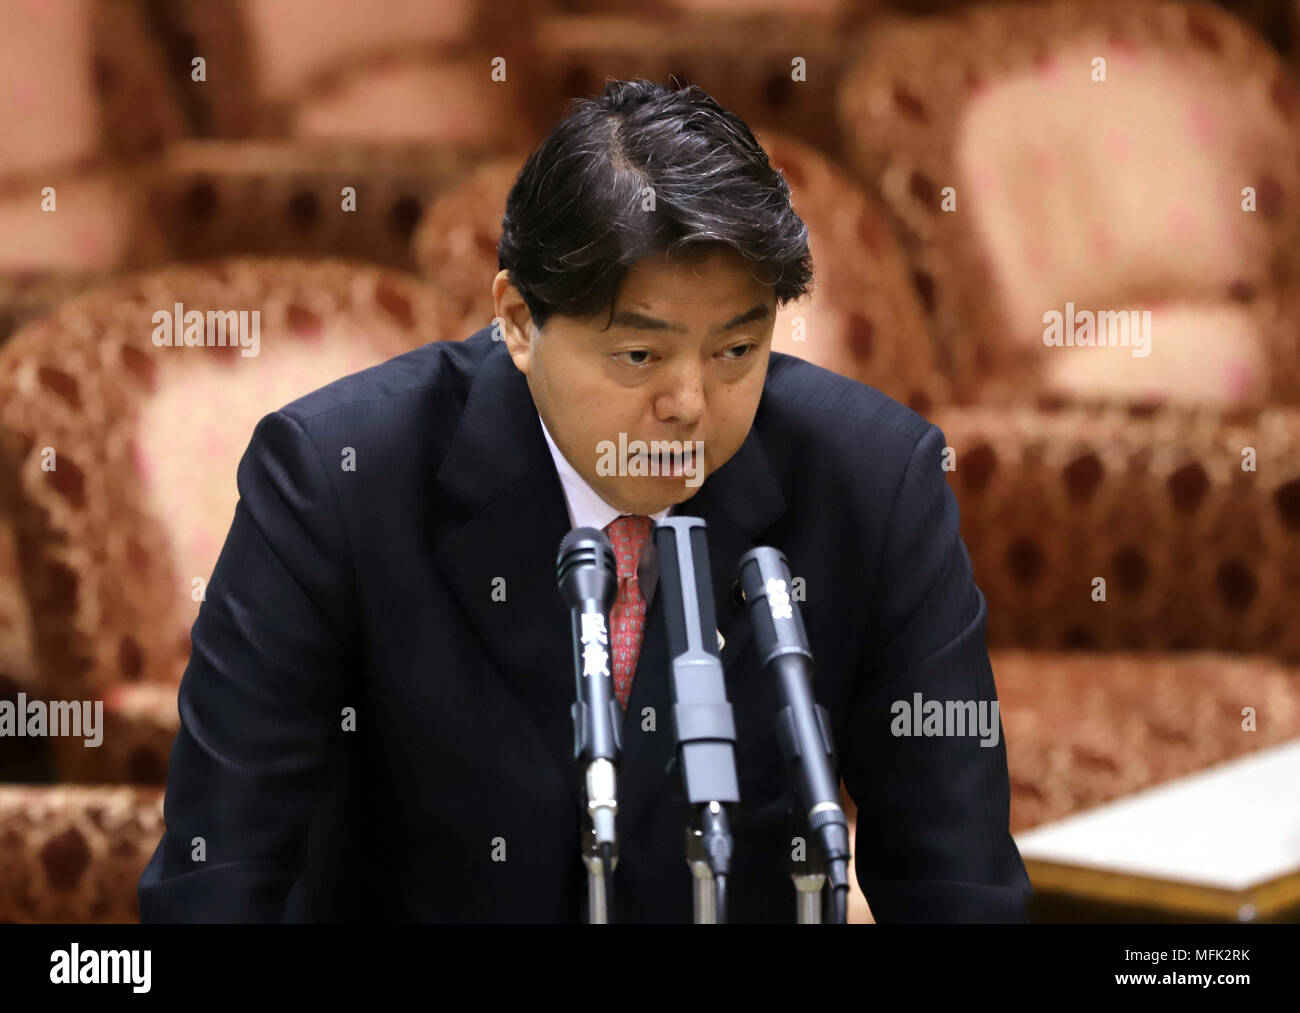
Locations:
{"points": [[514, 321]]}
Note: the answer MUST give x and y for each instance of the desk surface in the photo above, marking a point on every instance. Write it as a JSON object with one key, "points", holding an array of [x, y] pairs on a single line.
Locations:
{"points": [[1232, 827]]}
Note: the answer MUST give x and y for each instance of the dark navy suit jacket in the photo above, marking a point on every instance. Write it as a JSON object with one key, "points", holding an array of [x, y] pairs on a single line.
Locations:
{"points": [[456, 797]]}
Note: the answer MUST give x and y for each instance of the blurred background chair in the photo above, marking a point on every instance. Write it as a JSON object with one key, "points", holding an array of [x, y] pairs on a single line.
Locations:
{"points": [[1123, 192], [118, 463]]}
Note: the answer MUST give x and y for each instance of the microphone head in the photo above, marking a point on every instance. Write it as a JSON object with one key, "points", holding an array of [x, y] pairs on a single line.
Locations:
{"points": [[757, 567], [586, 568], [766, 584]]}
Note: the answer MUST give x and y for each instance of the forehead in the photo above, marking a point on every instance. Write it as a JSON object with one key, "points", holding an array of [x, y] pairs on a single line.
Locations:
{"points": [[714, 280]]}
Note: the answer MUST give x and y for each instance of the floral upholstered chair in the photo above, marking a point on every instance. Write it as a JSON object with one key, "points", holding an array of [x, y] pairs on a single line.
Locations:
{"points": [[1112, 156], [84, 101], [119, 457]]}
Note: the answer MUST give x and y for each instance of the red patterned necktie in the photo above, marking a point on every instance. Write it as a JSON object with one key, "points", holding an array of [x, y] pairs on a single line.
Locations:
{"points": [[627, 619]]}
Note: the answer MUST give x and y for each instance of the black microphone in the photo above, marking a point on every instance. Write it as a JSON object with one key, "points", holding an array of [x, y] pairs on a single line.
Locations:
{"points": [[706, 729], [587, 574], [803, 727]]}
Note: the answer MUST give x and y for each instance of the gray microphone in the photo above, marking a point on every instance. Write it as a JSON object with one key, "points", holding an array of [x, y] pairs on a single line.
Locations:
{"points": [[706, 727]]}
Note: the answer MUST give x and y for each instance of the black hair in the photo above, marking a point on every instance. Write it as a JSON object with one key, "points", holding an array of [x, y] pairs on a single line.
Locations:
{"points": [[574, 222]]}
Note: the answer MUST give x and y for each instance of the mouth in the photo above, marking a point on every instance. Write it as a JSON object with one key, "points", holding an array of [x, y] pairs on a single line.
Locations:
{"points": [[669, 464]]}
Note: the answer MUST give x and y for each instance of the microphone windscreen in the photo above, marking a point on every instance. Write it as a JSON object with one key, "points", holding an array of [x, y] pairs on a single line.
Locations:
{"points": [[764, 578], [585, 567]]}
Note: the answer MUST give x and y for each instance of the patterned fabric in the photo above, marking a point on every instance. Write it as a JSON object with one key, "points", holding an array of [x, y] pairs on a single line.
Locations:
{"points": [[88, 380], [276, 77], [73, 853], [82, 85], [223, 198], [1000, 100], [628, 535], [1084, 728], [734, 51], [17, 663], [1191, 518]]}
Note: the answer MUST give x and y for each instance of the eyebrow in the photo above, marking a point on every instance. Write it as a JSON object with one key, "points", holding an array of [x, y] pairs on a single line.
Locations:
{"points": [[641, 322]]}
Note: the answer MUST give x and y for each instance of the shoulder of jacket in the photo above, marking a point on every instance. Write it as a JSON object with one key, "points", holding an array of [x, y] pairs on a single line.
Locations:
{"points": [[808, 398], [445, 363]]}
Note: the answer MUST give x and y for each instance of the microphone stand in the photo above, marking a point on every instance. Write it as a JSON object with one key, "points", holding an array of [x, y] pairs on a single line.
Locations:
{"points": [[703, 888], [597, 900], [809, 877], [598, 857], [708, 853]]}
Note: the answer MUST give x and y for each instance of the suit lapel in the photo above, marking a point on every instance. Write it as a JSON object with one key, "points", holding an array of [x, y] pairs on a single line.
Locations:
{"points": [[499, 469]]}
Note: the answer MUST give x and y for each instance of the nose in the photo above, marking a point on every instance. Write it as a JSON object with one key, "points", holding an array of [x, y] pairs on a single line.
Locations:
{"points": [[683, 402]]}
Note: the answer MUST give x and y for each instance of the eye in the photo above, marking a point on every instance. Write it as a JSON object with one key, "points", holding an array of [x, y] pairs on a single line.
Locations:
{"points": [[632, 351], [744, 351]]}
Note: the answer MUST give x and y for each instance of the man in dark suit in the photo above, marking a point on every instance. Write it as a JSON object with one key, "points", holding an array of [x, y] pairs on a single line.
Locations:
{"points": [[375, 719]]}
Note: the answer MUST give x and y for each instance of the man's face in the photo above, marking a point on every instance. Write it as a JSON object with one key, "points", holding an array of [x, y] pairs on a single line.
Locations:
{"points": [[684, 359]]}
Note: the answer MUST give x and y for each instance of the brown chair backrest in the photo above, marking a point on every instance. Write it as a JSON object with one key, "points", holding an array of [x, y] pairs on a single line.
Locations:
{"points": [[1115, 194], [121, 455]]}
